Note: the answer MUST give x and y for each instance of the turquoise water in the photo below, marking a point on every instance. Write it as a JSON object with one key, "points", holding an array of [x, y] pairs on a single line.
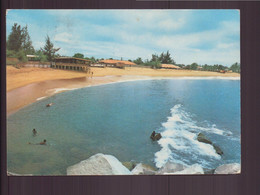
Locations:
{"points": [[118, 119]]}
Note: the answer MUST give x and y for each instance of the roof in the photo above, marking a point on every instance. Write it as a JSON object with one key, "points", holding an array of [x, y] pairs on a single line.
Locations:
{"points": [[116, 61], [70, 58], [32, 56], [170, 66]]}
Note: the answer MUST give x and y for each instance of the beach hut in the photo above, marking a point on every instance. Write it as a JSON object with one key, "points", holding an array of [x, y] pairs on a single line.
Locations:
{"points": [[169, 66], [32, 57], [71, 63], [116, 63]]}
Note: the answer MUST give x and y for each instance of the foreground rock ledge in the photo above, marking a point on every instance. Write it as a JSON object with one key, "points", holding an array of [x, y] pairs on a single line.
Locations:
{"points": [[99, 164], [233, 168]]}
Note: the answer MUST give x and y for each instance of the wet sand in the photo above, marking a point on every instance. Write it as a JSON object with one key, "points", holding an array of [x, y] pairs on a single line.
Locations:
{"points": [[33, 84]]}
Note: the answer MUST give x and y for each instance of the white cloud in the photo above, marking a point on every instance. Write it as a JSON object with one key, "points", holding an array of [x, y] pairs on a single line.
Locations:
{"points": [[64, 37]]}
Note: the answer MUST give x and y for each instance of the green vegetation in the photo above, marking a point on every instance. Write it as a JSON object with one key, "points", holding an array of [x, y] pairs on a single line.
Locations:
{"points": [[19, 43], [49, 49], [78, 55], [156, 60], [235, 67]]}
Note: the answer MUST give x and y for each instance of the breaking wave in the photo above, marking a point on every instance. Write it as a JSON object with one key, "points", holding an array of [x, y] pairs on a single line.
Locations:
{"points": [[179, 142]]}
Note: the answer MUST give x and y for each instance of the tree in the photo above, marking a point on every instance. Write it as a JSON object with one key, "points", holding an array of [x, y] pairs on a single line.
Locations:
{"points": [[26, 42], [41, 56], [49, 49], [194, 66], [138, 61], [15, 38], [166, 58], [78, 55], [235, 67], [19, 39]]}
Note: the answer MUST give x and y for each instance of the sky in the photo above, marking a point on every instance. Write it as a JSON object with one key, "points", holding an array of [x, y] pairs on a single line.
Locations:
{"points": [[201, 36]]}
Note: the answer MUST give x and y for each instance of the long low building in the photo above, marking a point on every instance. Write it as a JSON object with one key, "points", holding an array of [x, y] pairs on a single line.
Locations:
{"points": [[71, 63], [169, 66], [116, 63]]}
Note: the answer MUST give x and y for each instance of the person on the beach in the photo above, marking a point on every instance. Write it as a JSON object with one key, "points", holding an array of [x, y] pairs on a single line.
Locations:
{"points": [[41, 143], [91, 74], [34, 132]]}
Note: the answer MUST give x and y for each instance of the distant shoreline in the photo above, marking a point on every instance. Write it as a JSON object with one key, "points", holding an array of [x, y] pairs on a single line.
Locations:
{"points": [[34, 84]]}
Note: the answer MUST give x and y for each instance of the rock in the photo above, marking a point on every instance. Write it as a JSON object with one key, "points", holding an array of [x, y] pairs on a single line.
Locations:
{"points": [[179, 169], [171, 167], [142, 169], [233, 168], [156, 136], [15, 174], [208, 171], [218, 150], [193, 169], [99, 164], [202, 138], [130, 165]]}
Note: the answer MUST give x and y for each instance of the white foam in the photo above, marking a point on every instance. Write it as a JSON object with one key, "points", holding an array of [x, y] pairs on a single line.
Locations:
{"points": [[58, 90], [180, 135], [40, 98]]}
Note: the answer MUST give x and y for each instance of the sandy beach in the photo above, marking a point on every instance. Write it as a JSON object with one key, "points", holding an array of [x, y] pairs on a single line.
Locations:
{"points": [[31, 84]]}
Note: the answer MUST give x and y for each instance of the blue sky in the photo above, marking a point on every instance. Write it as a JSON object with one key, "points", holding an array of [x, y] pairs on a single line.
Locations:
{"points": [[202, 36]]}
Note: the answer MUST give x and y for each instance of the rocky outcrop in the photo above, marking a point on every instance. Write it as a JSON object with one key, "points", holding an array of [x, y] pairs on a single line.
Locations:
{"points": [[233, 168], [142, 169], [15, 174], [177, 169], [130, 165], [217, 149], [202, 138], [171, 167], [193, 169], [99, 164], [155, 136]]}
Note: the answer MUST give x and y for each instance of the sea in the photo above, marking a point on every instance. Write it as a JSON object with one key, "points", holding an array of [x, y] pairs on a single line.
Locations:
{"points": [[118, 119]]}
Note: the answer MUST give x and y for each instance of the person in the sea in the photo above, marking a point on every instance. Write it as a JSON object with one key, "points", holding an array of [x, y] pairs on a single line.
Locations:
{"points": [[34, 132], [41, 143]]}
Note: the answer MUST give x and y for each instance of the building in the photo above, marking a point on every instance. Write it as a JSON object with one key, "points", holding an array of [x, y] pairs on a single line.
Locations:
{"points": [[70, 63], [32, 57], [116, 63], [169, 66]]}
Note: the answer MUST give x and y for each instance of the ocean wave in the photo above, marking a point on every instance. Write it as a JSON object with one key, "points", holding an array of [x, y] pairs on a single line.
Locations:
{"points": [[40, 98], [58, 90], [179, 140]]}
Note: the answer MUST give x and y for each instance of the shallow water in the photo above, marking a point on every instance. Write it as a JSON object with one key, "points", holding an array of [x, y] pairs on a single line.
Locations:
{"points": [[118, 119]]}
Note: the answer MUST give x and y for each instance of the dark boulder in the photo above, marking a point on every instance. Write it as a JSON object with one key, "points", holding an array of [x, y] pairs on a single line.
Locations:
{"points": [[155, 136], [202, 138], [218, 150]]}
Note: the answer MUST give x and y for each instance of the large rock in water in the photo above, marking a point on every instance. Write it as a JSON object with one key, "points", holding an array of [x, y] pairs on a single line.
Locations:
{"points": [[178, 169], [156, 136], [202, 138], [233, 168], [99, 164], [141, 169]]}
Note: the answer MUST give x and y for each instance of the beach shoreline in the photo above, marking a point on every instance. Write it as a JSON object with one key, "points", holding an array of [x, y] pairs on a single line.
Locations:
{"points": [[34, 84]]}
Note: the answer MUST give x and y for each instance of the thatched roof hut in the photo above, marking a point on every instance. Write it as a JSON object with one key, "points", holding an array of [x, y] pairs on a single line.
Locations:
{"points": [[117, 63], [169, 66]]}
